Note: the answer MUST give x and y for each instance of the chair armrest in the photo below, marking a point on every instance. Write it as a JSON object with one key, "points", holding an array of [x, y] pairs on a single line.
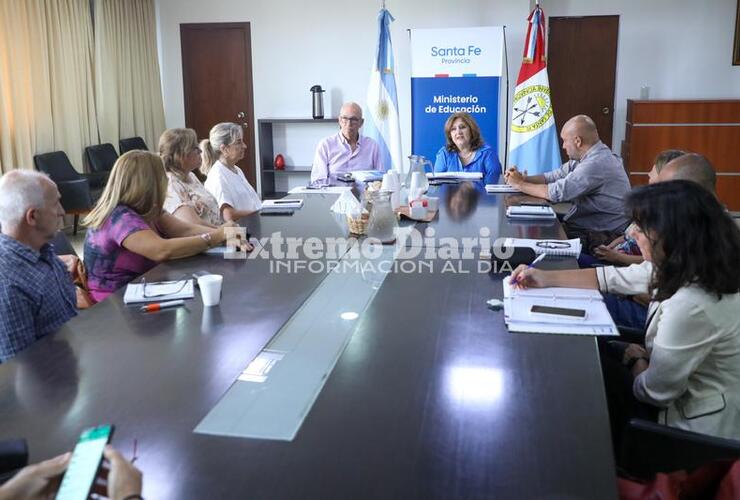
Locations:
{"points": [[96, 179], [649, 447], [632, 335]]}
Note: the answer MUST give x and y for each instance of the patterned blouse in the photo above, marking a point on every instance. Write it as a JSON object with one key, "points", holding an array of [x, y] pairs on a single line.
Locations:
{"points": [[191, 193], [109, 264]]}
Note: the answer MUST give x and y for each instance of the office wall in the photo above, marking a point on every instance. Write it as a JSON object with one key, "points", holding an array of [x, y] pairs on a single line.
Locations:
{"points": [[328, 42], [680, 48]]}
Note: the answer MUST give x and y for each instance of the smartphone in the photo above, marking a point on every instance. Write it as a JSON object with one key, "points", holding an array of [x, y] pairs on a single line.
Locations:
{"points": [[292, 201], [563, 312], [281, 211], [80, 476]]}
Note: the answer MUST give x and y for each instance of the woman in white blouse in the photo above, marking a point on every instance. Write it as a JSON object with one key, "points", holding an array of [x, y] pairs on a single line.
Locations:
{"points": [[226, 182], [689, 367]]}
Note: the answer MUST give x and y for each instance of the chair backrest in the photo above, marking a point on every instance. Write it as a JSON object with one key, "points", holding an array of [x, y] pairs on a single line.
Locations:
{"points": [[132, 143], [56, 165], [62, 246], [101, 157], [648, 447]]}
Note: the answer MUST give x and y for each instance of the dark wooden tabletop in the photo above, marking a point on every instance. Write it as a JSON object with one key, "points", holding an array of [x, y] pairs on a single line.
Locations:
{"points": [[432, 398]]}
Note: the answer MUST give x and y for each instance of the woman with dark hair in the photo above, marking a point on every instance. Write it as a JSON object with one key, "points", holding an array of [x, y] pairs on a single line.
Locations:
{"points": [[690, 366], [465, 150]]}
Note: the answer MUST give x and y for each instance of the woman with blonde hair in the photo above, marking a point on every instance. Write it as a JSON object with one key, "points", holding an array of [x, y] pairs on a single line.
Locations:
{"points": [[187, 198], [466, 151], [129, 233], [226, 182]]}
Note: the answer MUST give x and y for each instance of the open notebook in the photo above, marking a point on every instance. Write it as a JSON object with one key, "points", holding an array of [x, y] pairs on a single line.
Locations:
{"points": [[519, 317], [157, 291]]}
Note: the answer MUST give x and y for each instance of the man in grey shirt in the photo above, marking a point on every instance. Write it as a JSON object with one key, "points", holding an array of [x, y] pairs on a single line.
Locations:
{"points": [[594, 180]]}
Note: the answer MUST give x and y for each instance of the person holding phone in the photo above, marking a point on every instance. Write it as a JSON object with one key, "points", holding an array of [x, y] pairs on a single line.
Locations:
{"points": [[42, 480], [689, 368]]}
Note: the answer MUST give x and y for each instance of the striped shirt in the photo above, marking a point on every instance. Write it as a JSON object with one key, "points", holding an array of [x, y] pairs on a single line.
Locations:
{"points": [[37, 295]]}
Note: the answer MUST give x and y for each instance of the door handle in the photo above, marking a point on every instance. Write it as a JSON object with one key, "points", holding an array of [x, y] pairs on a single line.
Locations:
{"points": [[605, 110]]}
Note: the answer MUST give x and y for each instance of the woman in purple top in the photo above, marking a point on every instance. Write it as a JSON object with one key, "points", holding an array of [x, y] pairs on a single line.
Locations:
{"points": [[129, 233]]}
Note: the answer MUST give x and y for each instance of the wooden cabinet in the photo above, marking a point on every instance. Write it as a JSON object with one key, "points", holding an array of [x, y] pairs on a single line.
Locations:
{"points": [[296, 140], [709, 127]]}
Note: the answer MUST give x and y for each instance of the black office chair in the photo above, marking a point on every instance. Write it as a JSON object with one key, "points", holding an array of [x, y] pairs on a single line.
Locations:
{"points": [[131, 144], [648, 448], [100, 158], [77, 195], [62, 246]]}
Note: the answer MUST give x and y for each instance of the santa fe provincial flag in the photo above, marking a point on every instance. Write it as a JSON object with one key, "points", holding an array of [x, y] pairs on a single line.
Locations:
{"points": [[382, 122], [534, 141]]}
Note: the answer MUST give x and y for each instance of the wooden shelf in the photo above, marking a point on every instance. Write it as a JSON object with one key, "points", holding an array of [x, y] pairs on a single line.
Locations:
{"points": [[268, 173]]}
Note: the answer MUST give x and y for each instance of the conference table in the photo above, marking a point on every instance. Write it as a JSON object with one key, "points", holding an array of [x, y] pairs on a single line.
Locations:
{"points": [[431, 398]]}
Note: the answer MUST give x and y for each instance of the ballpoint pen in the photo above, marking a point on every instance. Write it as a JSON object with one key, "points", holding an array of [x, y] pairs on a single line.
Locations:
{"points": [[535, 261], [162, 305]]}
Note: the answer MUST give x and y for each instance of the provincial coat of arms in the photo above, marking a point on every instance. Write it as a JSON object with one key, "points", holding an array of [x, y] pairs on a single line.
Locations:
{"points": [[532, 108]]}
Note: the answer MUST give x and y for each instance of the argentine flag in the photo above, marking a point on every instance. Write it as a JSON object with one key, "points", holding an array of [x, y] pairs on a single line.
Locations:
{"points": [[534, 139], [382, 123]]}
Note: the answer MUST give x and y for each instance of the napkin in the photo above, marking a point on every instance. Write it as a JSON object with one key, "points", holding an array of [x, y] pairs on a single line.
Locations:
{"points": [[346, 204]]}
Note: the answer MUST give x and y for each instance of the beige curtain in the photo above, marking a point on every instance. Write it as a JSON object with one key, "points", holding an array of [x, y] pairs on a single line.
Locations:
{"points": [[46, 93], [128, 89]]}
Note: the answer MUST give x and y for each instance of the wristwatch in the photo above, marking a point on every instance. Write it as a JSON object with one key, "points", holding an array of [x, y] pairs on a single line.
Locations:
{"points": [[207, 238]]}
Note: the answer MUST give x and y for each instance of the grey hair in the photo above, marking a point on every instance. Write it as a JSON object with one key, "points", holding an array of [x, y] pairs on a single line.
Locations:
{"points": [[222, 134], [20, 190]]}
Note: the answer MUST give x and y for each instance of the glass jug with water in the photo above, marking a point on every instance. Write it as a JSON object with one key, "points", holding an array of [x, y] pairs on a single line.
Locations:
{"points": [[383, 221], [418, 183]]}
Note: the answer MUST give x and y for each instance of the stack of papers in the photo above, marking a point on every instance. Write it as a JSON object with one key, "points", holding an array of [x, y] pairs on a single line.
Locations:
{"points": [[367, 175], [158, 291], [285, 203], [530, 212], [455, 175], [519, 317], [321, 190], [570, 248], [501, 188]]}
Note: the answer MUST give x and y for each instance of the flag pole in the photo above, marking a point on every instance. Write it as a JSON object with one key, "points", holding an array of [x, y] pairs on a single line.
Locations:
{"points": [[508, 124]]}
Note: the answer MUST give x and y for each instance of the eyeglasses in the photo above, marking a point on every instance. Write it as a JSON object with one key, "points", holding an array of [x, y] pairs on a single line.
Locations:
{"points": [[352, 119], [179, 285], [553, 244]]}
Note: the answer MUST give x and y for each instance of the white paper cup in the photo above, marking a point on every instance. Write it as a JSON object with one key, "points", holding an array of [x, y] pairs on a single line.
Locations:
{"points": [[433, 203], [210, 289]]}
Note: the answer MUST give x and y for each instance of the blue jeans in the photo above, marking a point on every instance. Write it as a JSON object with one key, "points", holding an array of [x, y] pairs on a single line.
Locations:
{"points": [[625, 311]]}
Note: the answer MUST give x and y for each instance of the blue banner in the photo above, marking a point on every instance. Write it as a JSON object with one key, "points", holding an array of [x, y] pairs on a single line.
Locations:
{"points": [[433, 100]]}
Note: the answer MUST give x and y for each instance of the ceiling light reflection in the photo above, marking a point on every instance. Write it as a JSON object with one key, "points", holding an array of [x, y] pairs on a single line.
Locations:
{"points": [[472, 385]]}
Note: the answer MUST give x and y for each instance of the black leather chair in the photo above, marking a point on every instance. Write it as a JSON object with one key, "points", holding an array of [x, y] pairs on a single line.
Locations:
{"points": [[62, 246], [648, 448], [131, 144], [77, 195], [101, 157]]}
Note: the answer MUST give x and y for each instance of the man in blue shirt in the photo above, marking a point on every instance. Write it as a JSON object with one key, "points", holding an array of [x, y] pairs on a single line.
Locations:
{"points": [[37, 295]]}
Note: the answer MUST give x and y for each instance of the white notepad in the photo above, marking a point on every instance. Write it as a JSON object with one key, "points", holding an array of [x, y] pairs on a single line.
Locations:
{"points": [[531, 212], [294, 203], [501, 188], [455, 175], [570, 248], [157, 291], [519, 318]]}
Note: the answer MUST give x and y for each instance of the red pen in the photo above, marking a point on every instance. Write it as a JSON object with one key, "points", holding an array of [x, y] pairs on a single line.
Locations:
{"points": [[162, 305]]}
